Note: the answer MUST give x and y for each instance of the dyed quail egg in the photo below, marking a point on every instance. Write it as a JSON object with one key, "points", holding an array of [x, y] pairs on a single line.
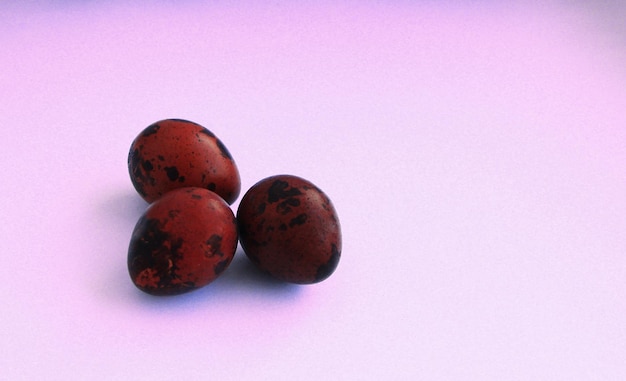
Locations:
{"points": [[176, 153], [289, 228], [182, 242]]}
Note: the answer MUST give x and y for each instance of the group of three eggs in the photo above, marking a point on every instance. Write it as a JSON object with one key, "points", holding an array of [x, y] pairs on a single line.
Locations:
{"points": [[188, 235]]}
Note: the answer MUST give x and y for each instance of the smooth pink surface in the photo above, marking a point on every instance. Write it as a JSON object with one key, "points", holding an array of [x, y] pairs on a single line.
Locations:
{"points": [[475, 155]]}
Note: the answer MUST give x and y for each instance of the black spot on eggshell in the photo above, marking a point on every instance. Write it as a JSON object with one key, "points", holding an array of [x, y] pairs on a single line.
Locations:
{"points": [[206, 132], [151, 252], [147, 166], [151, 129], [215, 245], [173, 213], [300, 219], [285, 206], [172, 173], [278, 191], [325, 270], [223, 149]]}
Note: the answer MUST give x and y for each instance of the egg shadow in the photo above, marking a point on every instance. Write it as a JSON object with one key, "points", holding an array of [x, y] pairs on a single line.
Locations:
{"points": [[244, 275]]}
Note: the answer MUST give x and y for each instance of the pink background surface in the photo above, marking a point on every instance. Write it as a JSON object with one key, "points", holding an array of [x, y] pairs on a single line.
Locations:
{"points": [[475, 155]]}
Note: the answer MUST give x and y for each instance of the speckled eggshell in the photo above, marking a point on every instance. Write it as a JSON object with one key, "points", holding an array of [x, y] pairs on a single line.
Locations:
{"points": [[176, 153], [183, 241], [289, 228]]}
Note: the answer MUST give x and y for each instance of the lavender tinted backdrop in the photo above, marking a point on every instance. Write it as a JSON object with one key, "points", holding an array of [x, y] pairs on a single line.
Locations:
{"points": [[475, 154]]}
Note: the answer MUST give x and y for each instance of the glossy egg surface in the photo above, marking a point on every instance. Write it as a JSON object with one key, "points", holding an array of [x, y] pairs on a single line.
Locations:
{"points": [[289, 228], [182, 242], [176, 153]]}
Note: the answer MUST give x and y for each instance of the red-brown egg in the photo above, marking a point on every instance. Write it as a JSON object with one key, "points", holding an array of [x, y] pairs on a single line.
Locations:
{"points": [[182, 242], [289, 228], [176, 153]]}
